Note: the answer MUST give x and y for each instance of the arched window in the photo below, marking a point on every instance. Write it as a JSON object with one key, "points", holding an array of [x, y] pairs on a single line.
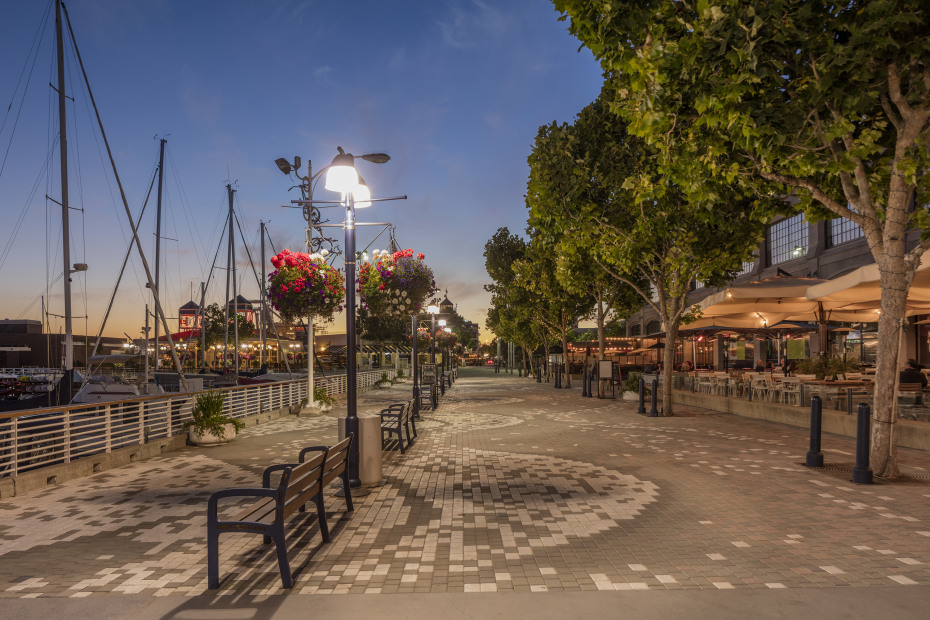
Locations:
{"points": [[653, 327], [636, 330]]}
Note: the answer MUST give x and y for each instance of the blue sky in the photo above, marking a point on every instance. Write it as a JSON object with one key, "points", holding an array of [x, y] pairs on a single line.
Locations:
{"points": [[453, 90]]}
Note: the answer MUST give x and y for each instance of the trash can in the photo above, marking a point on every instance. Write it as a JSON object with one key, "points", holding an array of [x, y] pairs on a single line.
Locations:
{"points": [[369, 447]]}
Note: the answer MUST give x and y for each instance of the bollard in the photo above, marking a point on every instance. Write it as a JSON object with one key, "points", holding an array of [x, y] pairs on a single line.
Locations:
{"points": [[539, 374], [814, 455], [862, 473], [557, 382], [584, 383], [849, 401], [642, 396], [654, 411]]}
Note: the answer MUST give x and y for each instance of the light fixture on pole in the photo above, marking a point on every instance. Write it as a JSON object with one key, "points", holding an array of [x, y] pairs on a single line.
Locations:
{"points": [[342, 177], [433, 311]]}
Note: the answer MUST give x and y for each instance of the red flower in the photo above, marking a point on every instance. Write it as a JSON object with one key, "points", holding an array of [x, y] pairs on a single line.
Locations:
{"points": [[421, 255]]}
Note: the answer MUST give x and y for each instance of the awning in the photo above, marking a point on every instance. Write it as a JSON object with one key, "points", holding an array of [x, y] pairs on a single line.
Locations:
{"points": [[180, 336]]}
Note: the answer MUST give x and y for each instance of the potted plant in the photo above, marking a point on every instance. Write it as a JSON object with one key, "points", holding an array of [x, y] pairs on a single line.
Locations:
{"points": [[321, 400], [630, 387], [383, 381], [208, 425]]}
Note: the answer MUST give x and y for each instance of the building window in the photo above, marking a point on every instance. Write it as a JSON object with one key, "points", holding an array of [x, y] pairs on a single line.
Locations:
{"points": [[787, 240], [653, 327], [843, 230], [747, 268], [636, 329]]}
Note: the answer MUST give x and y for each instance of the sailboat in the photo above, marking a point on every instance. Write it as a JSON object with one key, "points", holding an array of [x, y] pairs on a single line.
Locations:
{"points": [[64, 390]]}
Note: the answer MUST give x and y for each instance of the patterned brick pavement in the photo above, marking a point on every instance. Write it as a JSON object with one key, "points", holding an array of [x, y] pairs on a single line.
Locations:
{"points": [[512, 486]]}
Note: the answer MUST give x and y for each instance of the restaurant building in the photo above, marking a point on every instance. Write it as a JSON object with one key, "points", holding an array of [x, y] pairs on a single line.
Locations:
{"points": [[793, 247]]}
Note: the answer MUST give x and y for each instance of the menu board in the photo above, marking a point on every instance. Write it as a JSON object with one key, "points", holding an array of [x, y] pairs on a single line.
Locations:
{"points": [[428, 374], [740, 349], [796, 349]]}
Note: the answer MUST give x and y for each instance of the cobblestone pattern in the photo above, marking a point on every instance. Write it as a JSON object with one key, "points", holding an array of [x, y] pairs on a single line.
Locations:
{"points": [[511, 486]]}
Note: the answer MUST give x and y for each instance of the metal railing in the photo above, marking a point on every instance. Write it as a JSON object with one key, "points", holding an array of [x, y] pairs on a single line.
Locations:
{"points": [[36, 438]]}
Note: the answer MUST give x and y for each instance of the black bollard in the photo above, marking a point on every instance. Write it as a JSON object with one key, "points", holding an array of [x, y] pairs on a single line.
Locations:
{"points": [[642, 396], [849, 401], [814, 455], [584, 383], [862, 473], [539, 374], [654, 411]]}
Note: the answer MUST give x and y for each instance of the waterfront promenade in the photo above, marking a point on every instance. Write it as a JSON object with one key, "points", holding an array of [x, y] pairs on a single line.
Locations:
{"points": [[517, 500]]}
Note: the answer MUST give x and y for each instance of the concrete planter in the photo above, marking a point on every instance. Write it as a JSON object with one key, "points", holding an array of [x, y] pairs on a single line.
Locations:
{"points": [[209, 439]]}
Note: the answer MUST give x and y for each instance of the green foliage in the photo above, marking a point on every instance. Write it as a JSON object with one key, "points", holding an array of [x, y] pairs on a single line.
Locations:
{"points": [[207, 415], [320, 396], [383, 380], [827, 368], [631, 383]]}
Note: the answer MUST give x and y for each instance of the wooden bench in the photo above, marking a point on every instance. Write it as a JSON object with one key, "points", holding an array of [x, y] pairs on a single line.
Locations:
{"points": [[298, 484], [395, 419]]}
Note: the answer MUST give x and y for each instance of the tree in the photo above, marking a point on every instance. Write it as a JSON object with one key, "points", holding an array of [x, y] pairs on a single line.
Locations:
{"points": [[829, 101], [514, 310], [557, 306], [600, 190]]}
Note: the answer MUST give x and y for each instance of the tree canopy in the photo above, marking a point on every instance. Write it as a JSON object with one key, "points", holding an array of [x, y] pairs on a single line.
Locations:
{"points": [[826, 102]]}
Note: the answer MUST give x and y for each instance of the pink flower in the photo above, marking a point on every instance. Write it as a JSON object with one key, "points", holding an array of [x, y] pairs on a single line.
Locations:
{"points": [[421, 255]]}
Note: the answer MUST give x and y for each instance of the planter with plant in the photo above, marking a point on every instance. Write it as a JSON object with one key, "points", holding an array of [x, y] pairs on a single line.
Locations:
{"points": [[208, 425], [321, 400], [827, 368], [630, 387], [383, 381]]}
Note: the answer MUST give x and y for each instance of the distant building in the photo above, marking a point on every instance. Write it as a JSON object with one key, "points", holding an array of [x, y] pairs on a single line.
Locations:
{"points": [[23, 344]]}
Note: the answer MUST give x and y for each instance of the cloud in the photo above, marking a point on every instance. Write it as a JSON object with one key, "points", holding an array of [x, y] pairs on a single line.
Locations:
{"points": [[467, 25], [322, 71]]}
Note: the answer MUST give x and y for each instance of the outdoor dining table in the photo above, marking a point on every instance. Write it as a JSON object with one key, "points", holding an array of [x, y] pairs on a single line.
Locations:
{"points": [[836, 392]]}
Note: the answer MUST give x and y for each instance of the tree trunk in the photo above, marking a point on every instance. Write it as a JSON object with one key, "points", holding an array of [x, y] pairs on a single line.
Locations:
{"points": [[895, 284], [668, 363], [568, 374], [601, 344]]}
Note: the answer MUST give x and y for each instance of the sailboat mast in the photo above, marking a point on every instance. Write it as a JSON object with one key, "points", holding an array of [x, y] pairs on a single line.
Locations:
{"points": [[264, 365], [232, 267], [65, 230], [161, 173]]}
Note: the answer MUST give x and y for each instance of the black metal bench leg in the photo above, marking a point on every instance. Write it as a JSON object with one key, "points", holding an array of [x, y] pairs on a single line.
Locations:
{"points": [[321, 515], [347, 490], [400, 436], [213, 559], [413, 423], [283, 565]]}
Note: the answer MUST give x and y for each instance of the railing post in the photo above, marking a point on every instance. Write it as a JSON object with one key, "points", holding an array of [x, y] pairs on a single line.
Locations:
{"points": [[67, 438], [862, 473], [109, 428], [814, 455], [849, 392]]}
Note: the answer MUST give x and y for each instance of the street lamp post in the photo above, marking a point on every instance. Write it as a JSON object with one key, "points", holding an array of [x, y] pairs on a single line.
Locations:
{"points": [[433, 311], [342, 177]]}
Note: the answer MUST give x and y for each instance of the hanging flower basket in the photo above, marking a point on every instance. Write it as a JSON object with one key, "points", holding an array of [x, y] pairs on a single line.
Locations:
{"points": [[423, 339], [445, 339], [395, 284], [304, 285]]}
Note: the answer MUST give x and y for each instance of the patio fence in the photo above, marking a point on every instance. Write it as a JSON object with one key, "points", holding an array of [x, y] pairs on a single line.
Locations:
{"points": [[35, 438]]}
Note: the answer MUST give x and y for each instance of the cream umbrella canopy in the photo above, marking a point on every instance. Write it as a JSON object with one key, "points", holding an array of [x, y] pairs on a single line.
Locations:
{"points": [[760, 303]]}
